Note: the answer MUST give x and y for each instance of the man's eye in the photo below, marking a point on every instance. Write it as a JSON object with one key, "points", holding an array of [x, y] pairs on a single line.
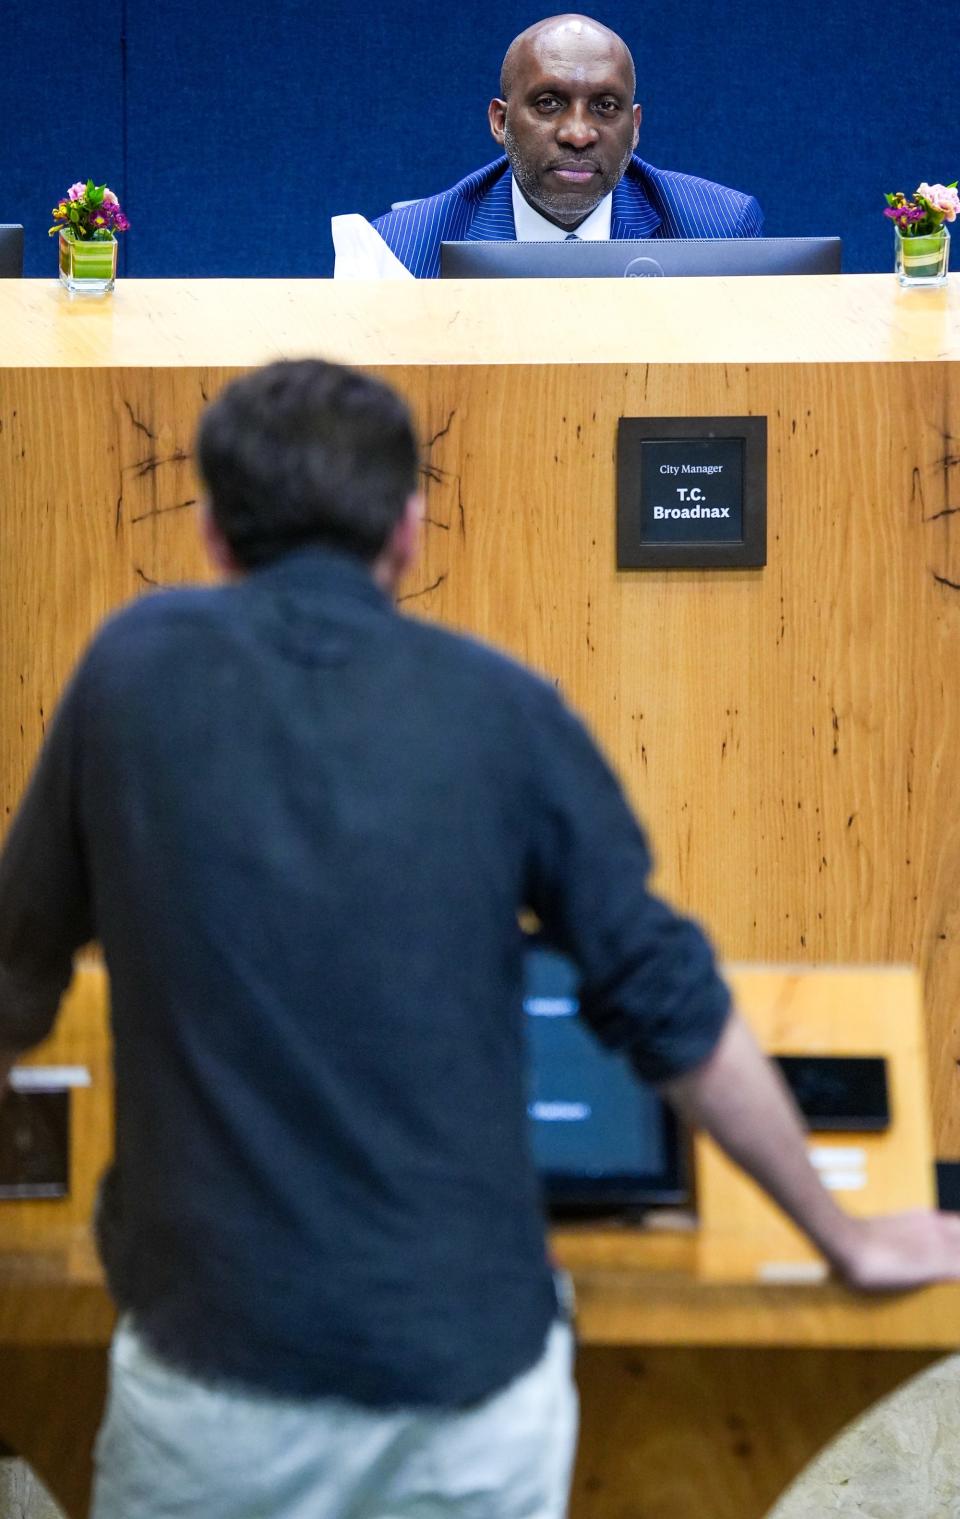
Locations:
{"points": [[608, 107], [547, 103]]}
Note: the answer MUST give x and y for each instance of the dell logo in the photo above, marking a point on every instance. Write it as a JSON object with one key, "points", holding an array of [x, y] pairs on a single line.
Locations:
{"points": [[643, 269]]}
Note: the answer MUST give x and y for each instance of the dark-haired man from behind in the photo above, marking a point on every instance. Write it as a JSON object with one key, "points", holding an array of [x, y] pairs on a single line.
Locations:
{"points": [[568, 123], [302, 826]]}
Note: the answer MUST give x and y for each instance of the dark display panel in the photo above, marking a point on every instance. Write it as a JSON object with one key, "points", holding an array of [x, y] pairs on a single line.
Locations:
{"points": [[839, 1092], [35, 1144], [601, 1138]]}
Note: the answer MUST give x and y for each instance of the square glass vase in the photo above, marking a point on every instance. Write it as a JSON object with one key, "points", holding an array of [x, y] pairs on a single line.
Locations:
{"points": [[921, 263], [87, 267]]}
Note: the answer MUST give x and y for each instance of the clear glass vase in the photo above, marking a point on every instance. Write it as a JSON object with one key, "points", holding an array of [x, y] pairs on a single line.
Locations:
{"points": [[922, 262], [87, 267]]}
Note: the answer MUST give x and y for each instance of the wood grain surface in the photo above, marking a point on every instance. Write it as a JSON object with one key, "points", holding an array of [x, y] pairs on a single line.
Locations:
{"points": [[847, 1012], [788, 733], [694, 1434], [192, 323], [51, 1401]]}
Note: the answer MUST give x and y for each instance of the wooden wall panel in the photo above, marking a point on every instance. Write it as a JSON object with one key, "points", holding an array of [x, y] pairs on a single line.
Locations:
{"points": [[51, 1402], [788, 734], [717, 1434], [785, 732]]}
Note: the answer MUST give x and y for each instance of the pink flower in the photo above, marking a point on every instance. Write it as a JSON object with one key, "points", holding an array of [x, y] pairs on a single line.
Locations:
{"points": [[78, 191], [109, 198], [942, 198]]}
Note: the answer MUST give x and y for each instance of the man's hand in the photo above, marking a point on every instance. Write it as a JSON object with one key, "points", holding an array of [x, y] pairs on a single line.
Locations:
{"points": [[900, 1250]]}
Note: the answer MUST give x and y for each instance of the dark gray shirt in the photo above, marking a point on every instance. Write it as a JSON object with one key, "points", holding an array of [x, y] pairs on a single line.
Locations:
{"points": [[301, 826]]}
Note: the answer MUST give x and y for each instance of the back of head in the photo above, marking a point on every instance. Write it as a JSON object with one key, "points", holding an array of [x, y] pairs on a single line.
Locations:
{"points": [[304, 452]]}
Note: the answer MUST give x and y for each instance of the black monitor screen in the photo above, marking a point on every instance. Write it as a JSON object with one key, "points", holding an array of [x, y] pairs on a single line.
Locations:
{"points": [[11, 252], [601, 1138], [640, 258]]}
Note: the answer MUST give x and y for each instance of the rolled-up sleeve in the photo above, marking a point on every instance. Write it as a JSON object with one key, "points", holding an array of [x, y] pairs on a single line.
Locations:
{"points": [[45, 912], [650, 981]]}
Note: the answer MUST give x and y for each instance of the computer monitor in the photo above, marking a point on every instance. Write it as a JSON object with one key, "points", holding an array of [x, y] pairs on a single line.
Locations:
{"points": [[602, 1140], [640, 258], [11, 252]]}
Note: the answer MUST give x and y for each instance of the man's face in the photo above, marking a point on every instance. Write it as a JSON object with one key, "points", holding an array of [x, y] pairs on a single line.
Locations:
{"points": [[569, 124]]}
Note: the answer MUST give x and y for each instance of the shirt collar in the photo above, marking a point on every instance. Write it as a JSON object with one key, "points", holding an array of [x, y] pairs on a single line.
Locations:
{"points": [[534, 228], [316, 567]]}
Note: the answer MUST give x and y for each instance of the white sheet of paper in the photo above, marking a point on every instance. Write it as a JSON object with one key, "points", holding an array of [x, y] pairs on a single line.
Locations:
{"points": [[44, 1078], [361, 253]]}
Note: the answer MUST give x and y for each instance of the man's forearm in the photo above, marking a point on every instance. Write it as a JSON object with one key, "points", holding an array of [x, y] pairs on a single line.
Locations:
{"points": [[739, 1098]]}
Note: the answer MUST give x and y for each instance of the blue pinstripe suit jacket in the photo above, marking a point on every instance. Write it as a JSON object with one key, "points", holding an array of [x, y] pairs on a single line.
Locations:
{"points": [[647, 202]]}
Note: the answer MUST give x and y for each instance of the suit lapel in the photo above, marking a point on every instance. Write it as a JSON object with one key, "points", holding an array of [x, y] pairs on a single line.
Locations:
{"points": [[493, 218], [633, 214]]}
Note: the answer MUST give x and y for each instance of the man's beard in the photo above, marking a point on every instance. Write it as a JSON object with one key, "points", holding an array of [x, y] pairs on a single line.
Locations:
{"points": [[561, 206]]}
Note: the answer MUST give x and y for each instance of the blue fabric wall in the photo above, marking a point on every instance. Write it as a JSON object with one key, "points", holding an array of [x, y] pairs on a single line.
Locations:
{"points": [[232, 133]]}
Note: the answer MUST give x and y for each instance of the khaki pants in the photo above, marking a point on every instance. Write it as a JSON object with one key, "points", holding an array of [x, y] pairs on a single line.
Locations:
{"points": [[172, 1447]]}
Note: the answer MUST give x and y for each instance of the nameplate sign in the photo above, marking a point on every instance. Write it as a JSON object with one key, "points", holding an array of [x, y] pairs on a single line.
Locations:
{"points": [[691, 493]]}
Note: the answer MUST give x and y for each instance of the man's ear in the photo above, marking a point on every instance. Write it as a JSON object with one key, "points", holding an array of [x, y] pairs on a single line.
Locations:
{"points": [[407, 532], [497, 117], [637, 118], [402, 548], [217, 549]]}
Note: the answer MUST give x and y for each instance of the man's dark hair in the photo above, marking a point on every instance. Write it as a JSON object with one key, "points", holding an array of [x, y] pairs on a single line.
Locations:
{"points": [[306, 452]]}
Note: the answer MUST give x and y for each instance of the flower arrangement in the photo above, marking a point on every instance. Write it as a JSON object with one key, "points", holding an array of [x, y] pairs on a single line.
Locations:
{"points": [[89, 212], [926, 211]]}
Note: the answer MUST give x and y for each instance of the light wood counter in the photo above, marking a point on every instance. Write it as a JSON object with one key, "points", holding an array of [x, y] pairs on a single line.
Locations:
{"points": [[237, 323], [639, 1287], [634, 1287]]}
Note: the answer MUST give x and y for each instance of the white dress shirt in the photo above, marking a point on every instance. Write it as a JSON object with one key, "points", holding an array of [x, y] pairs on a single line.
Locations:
{"points": [[534, 228], [362, 254]]}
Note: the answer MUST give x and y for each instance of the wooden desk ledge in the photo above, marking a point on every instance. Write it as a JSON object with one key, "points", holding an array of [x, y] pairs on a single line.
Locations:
{"points": [[55, 1294], [638, 1288], [633, 1287]]}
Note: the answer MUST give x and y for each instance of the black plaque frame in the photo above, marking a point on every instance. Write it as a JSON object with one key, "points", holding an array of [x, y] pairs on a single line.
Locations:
{"points": [[636, 553]]}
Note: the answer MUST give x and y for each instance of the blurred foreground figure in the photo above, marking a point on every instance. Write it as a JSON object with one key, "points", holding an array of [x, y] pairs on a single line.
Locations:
{"points": [[302, 826]]}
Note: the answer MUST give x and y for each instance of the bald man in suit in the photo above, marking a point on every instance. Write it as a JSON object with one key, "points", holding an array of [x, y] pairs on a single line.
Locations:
{"points": [[568, 123]]}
